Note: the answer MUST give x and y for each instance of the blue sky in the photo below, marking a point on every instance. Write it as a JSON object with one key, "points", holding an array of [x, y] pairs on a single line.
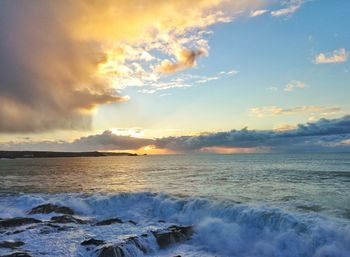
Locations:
{"points": [[195, 73], [268, 52]]}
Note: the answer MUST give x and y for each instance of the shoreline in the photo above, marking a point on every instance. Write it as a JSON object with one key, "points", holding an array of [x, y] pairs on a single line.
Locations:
{"points": [[53, 154]]}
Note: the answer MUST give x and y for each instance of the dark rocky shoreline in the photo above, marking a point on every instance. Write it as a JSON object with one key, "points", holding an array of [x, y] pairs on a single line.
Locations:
{"points": [[66, 219]]}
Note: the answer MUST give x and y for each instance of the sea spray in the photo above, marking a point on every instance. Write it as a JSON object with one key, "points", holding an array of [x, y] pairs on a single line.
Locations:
{"points": [[220, 228]]}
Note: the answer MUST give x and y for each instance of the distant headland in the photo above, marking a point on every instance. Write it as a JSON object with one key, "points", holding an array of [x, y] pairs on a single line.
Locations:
{"points": [[49, 154]]}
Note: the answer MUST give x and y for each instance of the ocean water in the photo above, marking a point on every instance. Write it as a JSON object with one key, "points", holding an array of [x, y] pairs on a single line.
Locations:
{"points": [[239, 205]]}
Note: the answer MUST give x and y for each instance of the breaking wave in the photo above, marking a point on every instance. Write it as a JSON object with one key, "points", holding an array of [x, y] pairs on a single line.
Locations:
{"points": [[220, 228]]}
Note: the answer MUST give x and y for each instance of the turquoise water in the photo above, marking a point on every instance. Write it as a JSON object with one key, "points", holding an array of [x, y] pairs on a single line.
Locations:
{"points": [[240, 205]]}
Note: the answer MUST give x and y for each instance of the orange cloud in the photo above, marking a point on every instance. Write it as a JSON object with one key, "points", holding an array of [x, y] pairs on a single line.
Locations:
{"points": [[60, 59], [185, 59], [337, 56]]}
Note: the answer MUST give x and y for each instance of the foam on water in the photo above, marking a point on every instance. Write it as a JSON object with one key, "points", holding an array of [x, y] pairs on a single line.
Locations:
{"points": [[221, 228]]}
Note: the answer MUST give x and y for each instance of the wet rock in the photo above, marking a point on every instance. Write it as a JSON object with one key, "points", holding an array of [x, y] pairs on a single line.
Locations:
{"points": [[67, 219], [49, 208], [111, 251], [174, 234], [11, 244], [108, 222], [53, 228], [93, 241], [164, 238], [17, 254], [15, 222], [137, 242], [132, 222], [121, 249], [161, 221]]}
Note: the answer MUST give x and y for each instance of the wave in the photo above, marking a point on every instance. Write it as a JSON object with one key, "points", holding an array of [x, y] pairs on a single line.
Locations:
{"points": [[221, 228]]}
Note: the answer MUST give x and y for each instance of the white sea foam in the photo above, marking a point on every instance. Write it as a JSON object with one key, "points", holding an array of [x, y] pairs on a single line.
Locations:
{"points": [[221, 228]]}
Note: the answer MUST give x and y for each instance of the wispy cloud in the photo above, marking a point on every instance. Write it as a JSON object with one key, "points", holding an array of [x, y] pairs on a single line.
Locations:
{"points": [[337, 56], [258, 12], [290, 7], [184, 81], [295, 84], [274, 89], [305, 109], [219, 75], [290, 86]]}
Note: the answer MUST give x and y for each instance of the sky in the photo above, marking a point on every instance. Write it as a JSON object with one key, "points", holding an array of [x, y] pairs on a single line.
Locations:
{"points": [[152, 76]]}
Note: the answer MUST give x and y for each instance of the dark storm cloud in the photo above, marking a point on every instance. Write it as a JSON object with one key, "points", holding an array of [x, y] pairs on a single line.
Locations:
{"points": [[323, 135], [305, 134], [108, 140], [46, 76]]}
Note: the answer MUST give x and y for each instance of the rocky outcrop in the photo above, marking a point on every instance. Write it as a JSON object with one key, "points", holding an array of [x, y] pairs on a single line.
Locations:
{"points": [[111, 251], [15, 222], [49, 208], [121, 249], [93, 241], [108, 222], [164, 238], [67, 219], [174, 234], [133, 222], [11, 244]]}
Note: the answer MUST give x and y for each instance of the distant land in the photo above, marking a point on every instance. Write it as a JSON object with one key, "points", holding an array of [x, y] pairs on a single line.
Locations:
{"points": [[49, 154]]}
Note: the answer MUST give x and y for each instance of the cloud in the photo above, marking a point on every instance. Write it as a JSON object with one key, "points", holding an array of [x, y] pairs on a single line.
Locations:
{"points": [[306, 137], [291, 6], [323, 135], [295, 84], [46, 77], [185, 81], [305, 109], [219, 75], [104, 141], [337, 56], [61, 59], [185, 59], [258, 12], [274, 89]]}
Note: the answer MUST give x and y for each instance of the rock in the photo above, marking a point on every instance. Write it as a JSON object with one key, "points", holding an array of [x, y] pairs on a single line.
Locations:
{"points": [[13, 232], [67, 219], [164, 238], [108, 222], [174, 234], [17, 254], [14, 222], [93, 241], [161, 221], [11, 244], [120, 249], [137, 242], [132, 222], [52, 228], [111, 251], [49, 208]]}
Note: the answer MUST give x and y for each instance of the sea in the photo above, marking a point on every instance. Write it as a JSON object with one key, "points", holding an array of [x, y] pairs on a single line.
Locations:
{"points": [[240, 205]]}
